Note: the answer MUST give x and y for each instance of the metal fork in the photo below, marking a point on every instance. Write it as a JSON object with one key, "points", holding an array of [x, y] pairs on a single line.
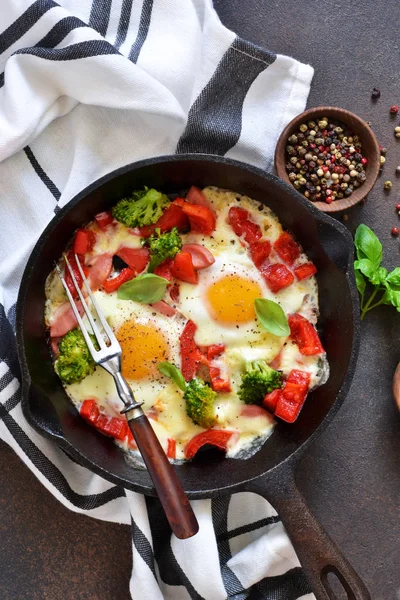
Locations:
{"points": [[108, 355]]}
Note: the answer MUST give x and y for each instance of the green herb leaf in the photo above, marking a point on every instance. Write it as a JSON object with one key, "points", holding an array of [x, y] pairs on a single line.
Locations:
{"points": [[168, 369], [147, 289], [366, 267], [272, 317], [394, 277], [368, 245], [360, 282]]}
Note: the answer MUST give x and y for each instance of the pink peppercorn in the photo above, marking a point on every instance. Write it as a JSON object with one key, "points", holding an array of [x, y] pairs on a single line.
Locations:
{"points": [[328, 199], [364, 161], [397, 207], [394, 109], [395, 231]]}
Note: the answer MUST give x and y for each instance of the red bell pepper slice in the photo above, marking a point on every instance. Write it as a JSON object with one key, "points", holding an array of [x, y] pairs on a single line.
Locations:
{"points": [[191, 356], [277, 277], [215, 350], [212, 437], [76, 272], [201, 257], [111, 285], [136, 258], [241, 224], [164, 270], [173, 216], [89, 410], [305, 271], [84, 241], [171, 448], [174, 292], [270, 401], [217, 383], [182, 268], [293, 396], [299, 377], [287, 248], [201, 218], [304, 334], [116, 428], [259, 252], [104, 219], [196, 196]]}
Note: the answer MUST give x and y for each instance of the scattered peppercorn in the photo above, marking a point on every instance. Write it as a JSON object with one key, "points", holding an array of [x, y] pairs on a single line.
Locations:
{"points": [[398, 170], [398, 207], [375, 93], [325, 160], [395, 231], [394, 109], [388, 185], [383, 150], [397, 131]]}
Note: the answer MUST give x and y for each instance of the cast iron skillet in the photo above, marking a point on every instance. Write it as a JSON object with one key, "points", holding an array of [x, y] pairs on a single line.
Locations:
{"points": [[271, 471]]}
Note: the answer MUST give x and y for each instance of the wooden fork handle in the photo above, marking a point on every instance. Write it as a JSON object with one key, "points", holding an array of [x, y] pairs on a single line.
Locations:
{"points": [[177, 508]]}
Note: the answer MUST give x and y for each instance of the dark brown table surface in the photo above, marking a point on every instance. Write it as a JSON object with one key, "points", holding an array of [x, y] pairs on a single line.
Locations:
{"points": [[351, 475]]}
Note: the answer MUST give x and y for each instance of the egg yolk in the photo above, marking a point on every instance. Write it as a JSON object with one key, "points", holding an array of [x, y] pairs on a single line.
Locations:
{"points": [[143, 347], [231, 299]]}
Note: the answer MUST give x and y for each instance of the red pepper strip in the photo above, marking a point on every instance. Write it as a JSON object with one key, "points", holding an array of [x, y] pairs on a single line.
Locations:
{"points": [[136, 258], [84, 241], [259, 252], [287, 248], [111, 285], [215, 350], [277, 277], [201, 218], [104, 219], [173, 216], [180, 202], [116, 428], [191, 357], [171, 449], [305, 271], [300, 377], [217, 383], [293, 396], [76, 272], [164, 270], [196, 196], [242, 225], [304, 334], [270, 401], [212, 437], [182, 268], [89, 410]]}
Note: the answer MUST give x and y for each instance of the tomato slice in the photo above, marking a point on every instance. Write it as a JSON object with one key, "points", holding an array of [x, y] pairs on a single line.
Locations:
{"points": [[287, 248], [164, 270], [182, 268], [201, 218], [136, 258], [84, 241], [104, 219], [173, 216], [201, 257], [239, 220], [112, 285], [304, 334], [277, 276], [212, 437], [191, 357], [259, 252], [305, 271]]}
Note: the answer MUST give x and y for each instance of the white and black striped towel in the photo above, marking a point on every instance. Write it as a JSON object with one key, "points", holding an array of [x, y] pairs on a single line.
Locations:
{"points": [[87, 86]]}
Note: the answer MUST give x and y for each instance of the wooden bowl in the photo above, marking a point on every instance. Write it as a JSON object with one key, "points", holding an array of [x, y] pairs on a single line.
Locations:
{"points": [[370, 149]]}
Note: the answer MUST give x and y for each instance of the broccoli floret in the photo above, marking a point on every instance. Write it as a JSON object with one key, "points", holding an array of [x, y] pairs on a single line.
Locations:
{"points": [[258, 380], [74, 362], [163, 246], [144, 207], [200, 403]]}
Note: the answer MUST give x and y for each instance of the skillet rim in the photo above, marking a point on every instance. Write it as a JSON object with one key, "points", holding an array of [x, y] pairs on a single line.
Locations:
{"points": [[316, 214]]}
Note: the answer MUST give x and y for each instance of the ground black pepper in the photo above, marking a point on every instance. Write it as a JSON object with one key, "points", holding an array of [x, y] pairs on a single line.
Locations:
{"points": [[325, 161]]}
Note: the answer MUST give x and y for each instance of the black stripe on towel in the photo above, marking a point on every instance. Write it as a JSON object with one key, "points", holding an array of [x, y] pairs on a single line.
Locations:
{"points": [[8, 349], [215, 118], [100, 16], [144, 25], [219, 508], [228, 535], [123, 24], [54, 476], [13, 400], [51, 186], [289, 586], [72, 52], [142, 545], [170, 571], [24, 23]]}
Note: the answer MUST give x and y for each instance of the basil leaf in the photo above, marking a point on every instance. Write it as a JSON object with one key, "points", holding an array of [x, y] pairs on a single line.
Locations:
{"points": [[147, 289], [368, 245], [272, 317], [366, 267], [168, 369], [394, 277], [360, 282]]}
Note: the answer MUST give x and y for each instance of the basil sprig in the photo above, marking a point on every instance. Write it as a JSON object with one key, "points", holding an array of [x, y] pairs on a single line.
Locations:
{"points": [[168, 369], [147, 289], [272, 317], [369, 273]]}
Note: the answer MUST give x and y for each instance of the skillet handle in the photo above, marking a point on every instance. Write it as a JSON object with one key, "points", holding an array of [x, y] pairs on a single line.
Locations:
{"points": [[174, 501], [317, 553]]}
